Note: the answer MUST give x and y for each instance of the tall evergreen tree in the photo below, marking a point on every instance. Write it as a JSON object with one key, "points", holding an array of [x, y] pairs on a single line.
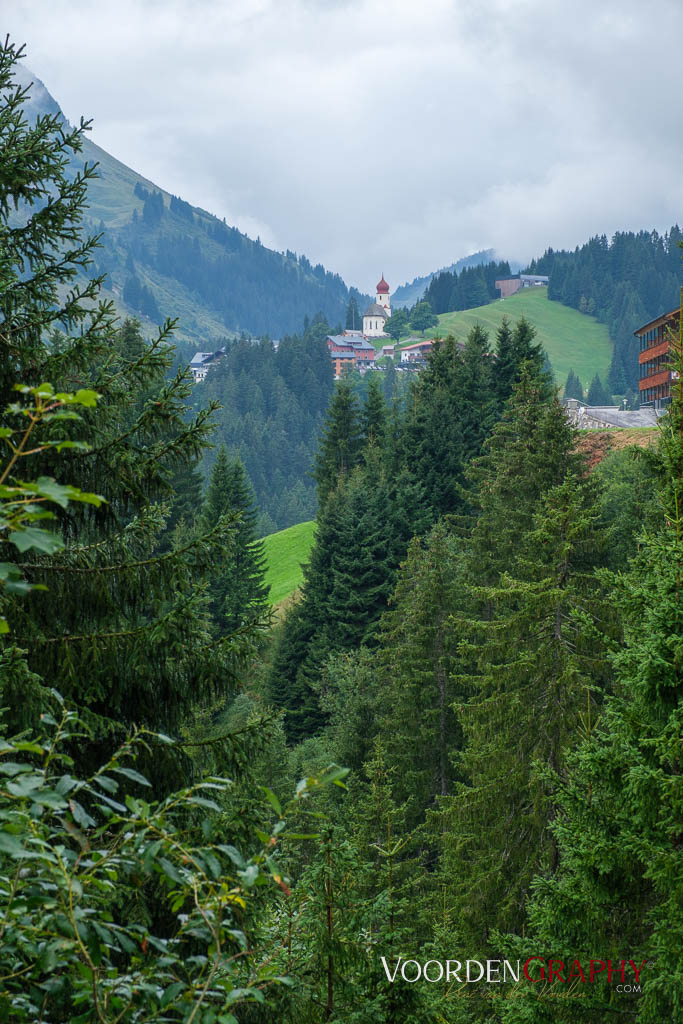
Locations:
{"points": [[375, 414], [122, 630], [505, 368], [477, 397], [573, 387], [415, 668], [523, 654], [238, 590], [597, 394], [535, 665], [340, 446], [430, 438], [354, 320], [617, 826]]}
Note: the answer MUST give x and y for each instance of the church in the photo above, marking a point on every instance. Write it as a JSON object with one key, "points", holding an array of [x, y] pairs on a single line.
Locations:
{"points": [[377, 312]]}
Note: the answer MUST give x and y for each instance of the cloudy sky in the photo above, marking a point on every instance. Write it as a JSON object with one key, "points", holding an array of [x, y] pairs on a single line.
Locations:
{"points": [[389, 136]]}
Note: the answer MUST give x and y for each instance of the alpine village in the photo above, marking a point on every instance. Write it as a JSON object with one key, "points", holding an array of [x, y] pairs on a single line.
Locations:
{"points": [[342, 630]]}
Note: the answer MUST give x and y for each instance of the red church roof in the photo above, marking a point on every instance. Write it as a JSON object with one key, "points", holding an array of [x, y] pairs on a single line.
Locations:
{"points": [[383, 286]]}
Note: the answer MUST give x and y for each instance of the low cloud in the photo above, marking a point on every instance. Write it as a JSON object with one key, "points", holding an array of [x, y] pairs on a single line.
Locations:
{"points": [[376, 136]]}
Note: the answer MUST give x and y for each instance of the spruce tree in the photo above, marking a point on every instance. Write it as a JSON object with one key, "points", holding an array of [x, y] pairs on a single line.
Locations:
{"points": [[340, 446], [573, 387], [238, 591], [525, 350], [122, 629], [522, 653], [536, 661], [375, 414], [415, 666], [431, 442], [596, 393], [618, 816], [477, 397], [505, 366]]}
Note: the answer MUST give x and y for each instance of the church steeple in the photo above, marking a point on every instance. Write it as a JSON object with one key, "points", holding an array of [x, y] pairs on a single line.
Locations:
{"points": [[382, 299]]}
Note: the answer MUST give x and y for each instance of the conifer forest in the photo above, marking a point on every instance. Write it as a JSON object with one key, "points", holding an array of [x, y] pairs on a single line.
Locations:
{"points": [[443, 785]]}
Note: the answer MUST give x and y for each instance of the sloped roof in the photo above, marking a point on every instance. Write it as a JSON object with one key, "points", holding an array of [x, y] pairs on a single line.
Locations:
{"points": [[374, 309]]}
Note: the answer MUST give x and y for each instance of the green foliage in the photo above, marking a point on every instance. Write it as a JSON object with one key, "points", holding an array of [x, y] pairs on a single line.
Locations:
{"points": [[416, 691], [597, 394], [122, 628], [573, 387], [273, 406], [341, 441], [423, 317], [23, 503], [397, 325], [617, 822], [625, 281], [238, 589], [76, 855]]}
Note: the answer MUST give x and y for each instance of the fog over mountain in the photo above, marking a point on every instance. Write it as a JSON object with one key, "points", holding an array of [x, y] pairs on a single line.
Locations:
{"points": [[378, 137]]}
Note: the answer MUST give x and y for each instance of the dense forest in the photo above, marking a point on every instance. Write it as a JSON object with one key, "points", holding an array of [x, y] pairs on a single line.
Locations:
{"points": [[272, 407], [460, 747], [467, 288]]}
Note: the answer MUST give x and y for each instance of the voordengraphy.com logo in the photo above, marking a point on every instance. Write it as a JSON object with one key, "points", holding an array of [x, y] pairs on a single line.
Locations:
{"points": [[534, 970]]}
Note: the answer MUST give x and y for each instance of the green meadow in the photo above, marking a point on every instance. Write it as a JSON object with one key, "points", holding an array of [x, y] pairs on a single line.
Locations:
{"points": [[573, 340], [286, 551]]}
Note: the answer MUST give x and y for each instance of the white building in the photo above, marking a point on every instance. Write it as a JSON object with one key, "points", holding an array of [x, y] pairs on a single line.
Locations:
{"points": [[201, 361], [377, 312]]}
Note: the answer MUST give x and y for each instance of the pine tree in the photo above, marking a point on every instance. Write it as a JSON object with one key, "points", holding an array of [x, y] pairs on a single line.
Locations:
{"points": [[573, 387], [415, 665], [523, 653], [596, 393], [524, 349], [536, 661], [374, 415], [122, 630], [618, 815], [477, 397], [431, 442], [238, 591], [505, 366], [340, 446], [353, 317]]}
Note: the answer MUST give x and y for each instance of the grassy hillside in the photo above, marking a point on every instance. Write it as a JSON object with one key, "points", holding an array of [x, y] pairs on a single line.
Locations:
{"points": [[572, 340], [286, 551]]}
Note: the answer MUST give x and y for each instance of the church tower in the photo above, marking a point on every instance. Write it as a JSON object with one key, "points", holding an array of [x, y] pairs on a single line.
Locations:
{"points": [[377, 312], [383, 295]]}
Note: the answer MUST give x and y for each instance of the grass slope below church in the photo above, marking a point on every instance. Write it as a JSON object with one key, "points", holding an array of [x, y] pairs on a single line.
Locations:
{"points": [[573, 340], [286, 551]]}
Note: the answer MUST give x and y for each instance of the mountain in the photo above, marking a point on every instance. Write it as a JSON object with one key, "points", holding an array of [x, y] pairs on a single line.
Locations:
{"points": [[409, 294], [164, 257]]}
